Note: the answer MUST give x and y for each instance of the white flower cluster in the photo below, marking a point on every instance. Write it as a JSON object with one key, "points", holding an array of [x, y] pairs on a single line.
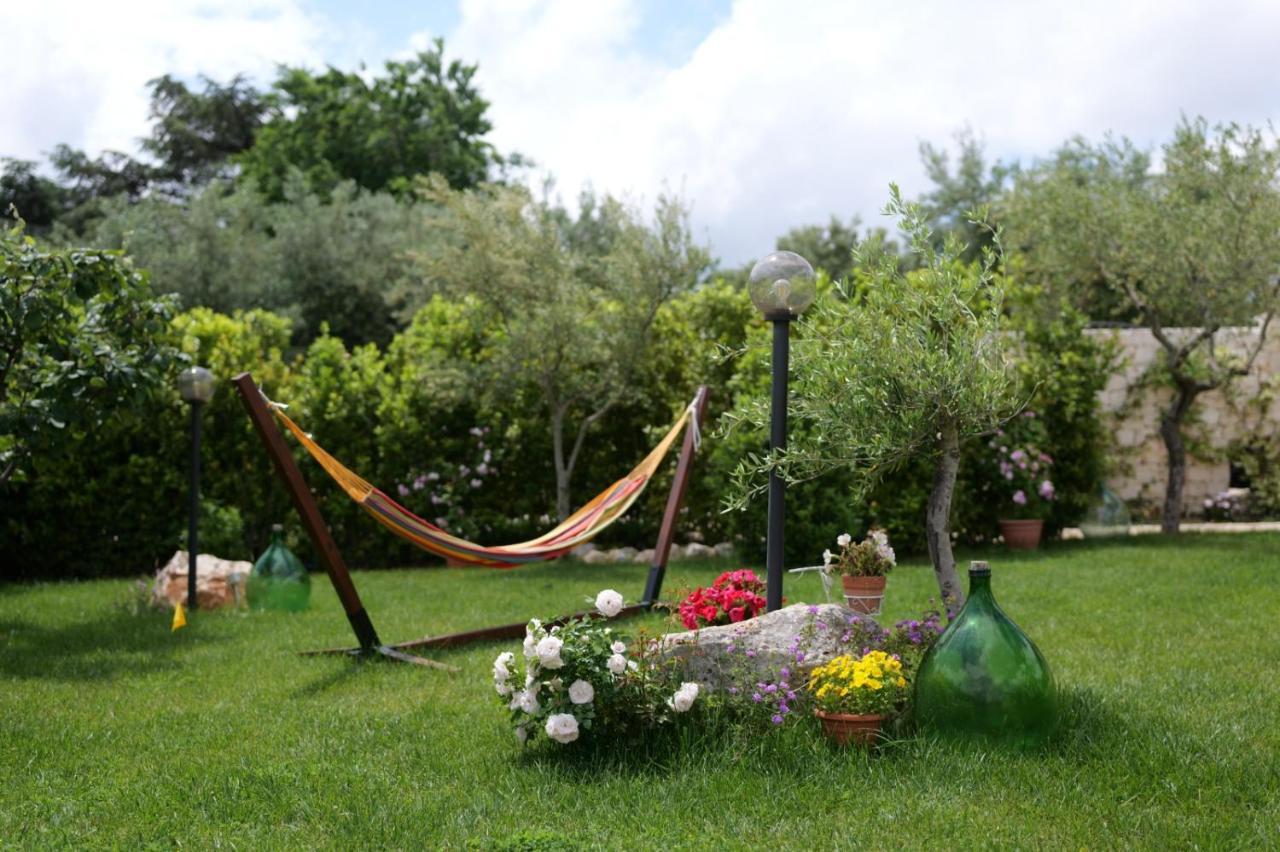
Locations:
{"points": [[569, 669], [881, 538]]}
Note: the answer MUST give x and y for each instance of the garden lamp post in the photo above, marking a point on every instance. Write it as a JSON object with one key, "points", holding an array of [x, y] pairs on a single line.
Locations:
{"points": [[781, 285], [196, 386]]}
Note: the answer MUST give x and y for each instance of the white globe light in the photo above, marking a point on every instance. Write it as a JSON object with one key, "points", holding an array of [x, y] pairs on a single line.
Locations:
{"points": [[782, 285]]}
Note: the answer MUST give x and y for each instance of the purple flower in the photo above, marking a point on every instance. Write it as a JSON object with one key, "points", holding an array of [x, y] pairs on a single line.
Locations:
{"points": [[733, 690], [777, 719], [1020, 497], [1017, 455], [813, 609], [757, 697], [783, 708], [784, 672], [771, 688], [402, 490], [1046, 490], [751, 652], [791, 695]]}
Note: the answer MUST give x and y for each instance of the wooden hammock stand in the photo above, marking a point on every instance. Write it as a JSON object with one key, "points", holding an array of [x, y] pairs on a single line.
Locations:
{"points": [[331, 557]]}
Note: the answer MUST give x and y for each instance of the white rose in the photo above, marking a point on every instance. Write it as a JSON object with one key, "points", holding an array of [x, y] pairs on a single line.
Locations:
{"points": [[633, 665], [887, 554], [827, 556], [500, 670], [844, 539], [530, 645], [581, 692], [880, 537], [617, 664], [502, 687], [684, 697], [562, 727], [609, 603], [549, 652], [529, 702], [521, 734], [618, 647]]}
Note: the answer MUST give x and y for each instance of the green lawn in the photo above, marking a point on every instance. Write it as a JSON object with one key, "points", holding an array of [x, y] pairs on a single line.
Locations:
{"points": [[115, 732]]}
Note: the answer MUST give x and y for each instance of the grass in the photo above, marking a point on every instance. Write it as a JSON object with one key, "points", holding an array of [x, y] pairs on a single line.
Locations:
{"points": [[115, 732]]}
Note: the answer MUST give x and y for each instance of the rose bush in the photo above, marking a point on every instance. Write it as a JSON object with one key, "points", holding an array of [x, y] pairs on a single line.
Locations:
{"points": [[581, 678]]}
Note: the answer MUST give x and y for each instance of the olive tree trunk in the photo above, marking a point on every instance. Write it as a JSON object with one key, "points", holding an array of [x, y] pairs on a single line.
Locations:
{"points": [[1176, 453], [938, 518]]}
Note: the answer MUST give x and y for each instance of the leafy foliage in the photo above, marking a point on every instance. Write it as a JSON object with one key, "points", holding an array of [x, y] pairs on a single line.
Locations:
{"points": [[79, 335], [421, 115]]}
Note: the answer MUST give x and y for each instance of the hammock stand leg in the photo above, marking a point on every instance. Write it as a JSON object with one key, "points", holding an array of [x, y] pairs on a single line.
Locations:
{"points": [[318, 531], [675, 499]]}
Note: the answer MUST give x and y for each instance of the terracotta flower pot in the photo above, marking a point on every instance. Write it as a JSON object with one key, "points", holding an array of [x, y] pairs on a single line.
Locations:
{"points": [[845, 728], [864, 594], [1022, 535]]}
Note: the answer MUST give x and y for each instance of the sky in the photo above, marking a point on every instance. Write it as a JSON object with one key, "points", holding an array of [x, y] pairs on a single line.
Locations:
{"points": [[763, 114]]}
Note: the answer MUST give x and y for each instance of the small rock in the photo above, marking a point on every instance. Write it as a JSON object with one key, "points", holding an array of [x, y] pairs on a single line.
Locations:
{"points": [[598, 557], [1072, 534], [706, 657], [724, 550], [696, 550], [623, 554], [581, 551], [695, 536], [676, 553], [644, 557], [215, 581]]}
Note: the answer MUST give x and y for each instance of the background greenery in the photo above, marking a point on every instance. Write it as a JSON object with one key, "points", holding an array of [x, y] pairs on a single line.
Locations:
{"points": [[220, 735]]}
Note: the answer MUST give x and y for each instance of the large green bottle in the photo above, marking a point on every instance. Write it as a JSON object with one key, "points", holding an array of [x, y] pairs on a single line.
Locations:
{"points": [[278, 580], [984, 676]]}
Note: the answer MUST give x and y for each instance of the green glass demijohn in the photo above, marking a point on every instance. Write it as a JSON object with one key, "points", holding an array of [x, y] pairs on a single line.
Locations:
{"points": [[984, 675], [278, 580]]}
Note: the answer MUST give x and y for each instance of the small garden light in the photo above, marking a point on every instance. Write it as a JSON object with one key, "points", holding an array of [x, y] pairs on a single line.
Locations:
{"points": [[195, 385], [781, 285]]}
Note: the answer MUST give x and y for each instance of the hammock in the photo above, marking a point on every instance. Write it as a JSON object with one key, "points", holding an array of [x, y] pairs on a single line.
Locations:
{"points": [[579, 528]]}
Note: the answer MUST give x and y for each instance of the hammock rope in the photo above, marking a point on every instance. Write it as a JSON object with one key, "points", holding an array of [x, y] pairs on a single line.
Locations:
{"points": [[580, 527]]}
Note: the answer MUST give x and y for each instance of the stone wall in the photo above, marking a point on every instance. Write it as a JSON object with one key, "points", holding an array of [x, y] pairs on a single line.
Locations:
{"points": [[1138, 454]]}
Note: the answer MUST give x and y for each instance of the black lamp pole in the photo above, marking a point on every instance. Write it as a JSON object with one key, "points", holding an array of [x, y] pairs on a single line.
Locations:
{"points": [[194, 518], [777, 441], [781, 285], [196, 388]]}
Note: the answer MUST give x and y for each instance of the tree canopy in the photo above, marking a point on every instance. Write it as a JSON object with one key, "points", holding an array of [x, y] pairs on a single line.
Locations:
{"points": [[420, 116]]}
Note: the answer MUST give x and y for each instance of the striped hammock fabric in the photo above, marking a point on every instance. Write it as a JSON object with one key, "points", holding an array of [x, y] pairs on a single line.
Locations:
{"points": [[579, 528]]}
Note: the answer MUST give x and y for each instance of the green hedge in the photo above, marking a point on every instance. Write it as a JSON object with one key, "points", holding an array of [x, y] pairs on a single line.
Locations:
{"points": [[406, 418]]}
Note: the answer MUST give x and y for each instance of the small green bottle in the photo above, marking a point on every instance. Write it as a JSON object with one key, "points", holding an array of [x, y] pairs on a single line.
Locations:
{"points": [[984, 675], [278, 580]]}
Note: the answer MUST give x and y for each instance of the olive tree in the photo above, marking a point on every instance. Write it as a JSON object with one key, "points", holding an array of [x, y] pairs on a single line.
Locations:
{"points": [[573, 299], [1192, 248], [891, 366]]}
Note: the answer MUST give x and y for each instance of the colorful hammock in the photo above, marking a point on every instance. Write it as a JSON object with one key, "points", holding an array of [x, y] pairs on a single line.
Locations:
{"points": [[579, 528]]}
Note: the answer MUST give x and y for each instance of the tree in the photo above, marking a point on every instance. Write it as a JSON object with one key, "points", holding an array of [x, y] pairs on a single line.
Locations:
{"points": [[37, 200], [421, 116], [1190, 248], [79, 332], [195, 134], [972, 186], [573, 299], [828, 248], [894, 367]]}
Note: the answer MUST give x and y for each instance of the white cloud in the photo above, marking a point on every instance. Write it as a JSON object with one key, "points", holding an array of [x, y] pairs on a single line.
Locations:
{"points": [[788, 112], [76, 72]]}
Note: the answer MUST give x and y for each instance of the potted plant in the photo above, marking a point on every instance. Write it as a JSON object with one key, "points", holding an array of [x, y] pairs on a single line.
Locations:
{"points": [[855, 695], [862, 568], [1025, 490]]}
